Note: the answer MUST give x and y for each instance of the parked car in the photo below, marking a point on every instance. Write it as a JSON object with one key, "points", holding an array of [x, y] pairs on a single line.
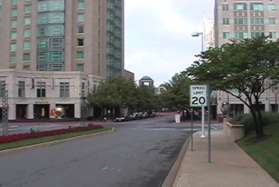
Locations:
{"points": [[119, 119]]}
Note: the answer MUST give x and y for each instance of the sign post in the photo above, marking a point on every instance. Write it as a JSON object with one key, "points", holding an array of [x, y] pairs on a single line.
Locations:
{"points": [[209, 126], [199, 99]]}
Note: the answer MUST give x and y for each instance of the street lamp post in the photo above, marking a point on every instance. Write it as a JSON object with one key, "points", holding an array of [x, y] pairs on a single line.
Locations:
{"points": [[198, 34]]}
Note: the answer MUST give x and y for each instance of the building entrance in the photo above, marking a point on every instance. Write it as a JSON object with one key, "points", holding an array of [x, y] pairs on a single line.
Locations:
{"points": [[21, 111], [41, 111], [65, 111]]}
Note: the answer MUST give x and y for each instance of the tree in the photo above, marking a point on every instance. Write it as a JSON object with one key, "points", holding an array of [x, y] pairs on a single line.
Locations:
{"points": [[176, 92], [244, 69], [122, 93], [115, 94]]}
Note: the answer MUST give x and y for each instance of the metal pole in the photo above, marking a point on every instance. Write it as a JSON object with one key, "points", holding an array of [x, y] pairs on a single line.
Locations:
{"points": [[5, 106], [202, 42], [203, 114], [209, 125], [192, 131]]}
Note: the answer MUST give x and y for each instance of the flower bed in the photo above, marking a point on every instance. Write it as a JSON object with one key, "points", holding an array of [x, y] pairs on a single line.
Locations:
{"points": [[24, 136]]}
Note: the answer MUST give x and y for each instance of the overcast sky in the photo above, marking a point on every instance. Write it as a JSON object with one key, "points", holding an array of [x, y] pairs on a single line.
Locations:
{"points": [[158, 35]]}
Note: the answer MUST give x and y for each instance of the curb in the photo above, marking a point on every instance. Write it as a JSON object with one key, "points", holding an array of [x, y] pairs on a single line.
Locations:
{"points": [[169, 180], [55, 142]]}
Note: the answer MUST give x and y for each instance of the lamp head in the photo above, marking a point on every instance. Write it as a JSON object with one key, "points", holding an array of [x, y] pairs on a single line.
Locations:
{"points": [[196, 34]]}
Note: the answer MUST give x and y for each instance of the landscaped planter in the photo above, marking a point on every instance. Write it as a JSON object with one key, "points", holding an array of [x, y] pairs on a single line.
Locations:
{"points": [[24, 136], [233, 131]]}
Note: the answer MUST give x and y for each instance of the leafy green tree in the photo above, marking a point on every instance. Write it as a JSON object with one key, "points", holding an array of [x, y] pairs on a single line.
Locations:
{"points": [[115, 94], [176, 92], [244, 69], [120, 93]]}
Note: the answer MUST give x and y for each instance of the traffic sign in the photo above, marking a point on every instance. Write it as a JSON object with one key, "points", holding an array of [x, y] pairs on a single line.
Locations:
{"points": [[198, 94]]}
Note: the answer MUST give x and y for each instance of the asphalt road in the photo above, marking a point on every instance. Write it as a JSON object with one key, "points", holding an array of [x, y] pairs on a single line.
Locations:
{"points": [[138, 154]]}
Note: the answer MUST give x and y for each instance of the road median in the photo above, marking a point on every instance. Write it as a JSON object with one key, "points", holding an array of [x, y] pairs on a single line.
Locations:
{"points": [[51, 140]]}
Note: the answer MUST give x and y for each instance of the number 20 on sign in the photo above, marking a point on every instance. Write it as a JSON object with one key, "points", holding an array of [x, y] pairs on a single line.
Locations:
{"points": [[198, 94]]}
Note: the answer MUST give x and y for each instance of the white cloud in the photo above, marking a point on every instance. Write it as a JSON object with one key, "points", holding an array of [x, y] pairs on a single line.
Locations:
{"points": [[158, 35]]}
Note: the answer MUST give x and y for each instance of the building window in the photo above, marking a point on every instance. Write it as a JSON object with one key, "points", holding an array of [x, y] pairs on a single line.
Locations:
{"points": [[56, 43], [226, 21], [240, 21], [272, 7], [257, 34], [13, 47], [83, 89], [80, 55], [259, 7], [13, 24], [55, 30], [80, 29], [56, 56], [80, 67], [240, 6], [81, 4], [43, 44], [13, 58], [81, 18], [80, 42], [14, 13], [2, 88], [257, 21], [55, 17], [41, 89], [13, 35], [225, 7], [64, 89], [226, 35], [26, 57], [27, 45], [21, 89], [241, 35], [27, 10], [14, 2], [27, 33], [273, 35], [27, 21], [45, 6], [271, 21]]}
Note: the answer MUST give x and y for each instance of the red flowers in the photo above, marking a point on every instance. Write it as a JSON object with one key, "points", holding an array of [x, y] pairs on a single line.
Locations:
{"points": [[24, 136]]}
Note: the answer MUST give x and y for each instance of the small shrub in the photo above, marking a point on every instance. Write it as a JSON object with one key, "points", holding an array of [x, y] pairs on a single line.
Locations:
{"points": [[248, 121]]}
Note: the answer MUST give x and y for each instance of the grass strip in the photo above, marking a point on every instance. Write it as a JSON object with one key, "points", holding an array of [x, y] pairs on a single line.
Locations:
{"points": [[46, 139], [266, 151]]}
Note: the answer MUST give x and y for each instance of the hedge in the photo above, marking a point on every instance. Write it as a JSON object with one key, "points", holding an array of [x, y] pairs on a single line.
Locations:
{"points": [[39, 134]]}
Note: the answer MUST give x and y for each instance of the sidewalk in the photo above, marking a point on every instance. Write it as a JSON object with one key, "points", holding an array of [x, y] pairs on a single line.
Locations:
{"points": [[230, 167]]}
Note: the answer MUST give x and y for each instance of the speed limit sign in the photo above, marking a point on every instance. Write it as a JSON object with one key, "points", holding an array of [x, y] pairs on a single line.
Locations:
{"points": [[198, 94]]}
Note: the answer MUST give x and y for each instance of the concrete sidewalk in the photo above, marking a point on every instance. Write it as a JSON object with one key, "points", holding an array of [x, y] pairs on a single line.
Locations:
{"points": [[231, 166]]}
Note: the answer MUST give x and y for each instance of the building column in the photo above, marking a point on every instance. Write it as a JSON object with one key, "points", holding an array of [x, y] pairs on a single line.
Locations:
{"points": [[52, 107], [267, 106], [12, 112], [77, 110], [246, 110], [30, 111]]}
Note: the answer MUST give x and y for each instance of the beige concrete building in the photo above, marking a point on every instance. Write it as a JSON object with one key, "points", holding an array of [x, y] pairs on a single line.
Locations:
{"points": [[82, 40], [41, 94], [240, 19]]}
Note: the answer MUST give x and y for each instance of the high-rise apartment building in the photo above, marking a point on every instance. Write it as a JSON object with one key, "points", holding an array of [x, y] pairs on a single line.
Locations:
{"points": [[53, 52], [241, 19], [63, 35]]}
